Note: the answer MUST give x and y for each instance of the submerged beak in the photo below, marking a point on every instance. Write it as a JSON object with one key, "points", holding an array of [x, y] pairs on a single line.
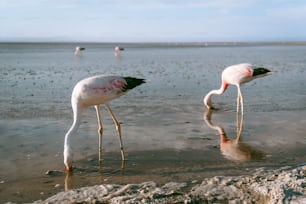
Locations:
{"points": [[69, 168]]}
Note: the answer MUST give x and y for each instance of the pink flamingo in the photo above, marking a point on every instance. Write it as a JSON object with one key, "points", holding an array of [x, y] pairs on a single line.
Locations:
{"points": [[78, 50], [94, 91], [236, 75], [117, 50]]}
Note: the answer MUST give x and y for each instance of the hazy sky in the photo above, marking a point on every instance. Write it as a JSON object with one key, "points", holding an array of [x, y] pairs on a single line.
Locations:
{"points": [[153, 20]]}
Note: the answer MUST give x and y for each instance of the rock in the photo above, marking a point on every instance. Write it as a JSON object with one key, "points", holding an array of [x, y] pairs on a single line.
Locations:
{"points": [[285, 185], [54, 173]]}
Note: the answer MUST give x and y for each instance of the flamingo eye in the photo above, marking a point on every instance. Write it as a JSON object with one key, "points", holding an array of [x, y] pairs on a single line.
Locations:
{"points": [[249, 71]]}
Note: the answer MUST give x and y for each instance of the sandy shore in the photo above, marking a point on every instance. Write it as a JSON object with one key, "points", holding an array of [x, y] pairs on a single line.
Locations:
{"points": [[284, 185]]}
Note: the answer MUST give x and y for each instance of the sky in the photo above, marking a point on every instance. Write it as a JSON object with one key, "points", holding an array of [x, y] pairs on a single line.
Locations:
{"points": [[152, 20]]}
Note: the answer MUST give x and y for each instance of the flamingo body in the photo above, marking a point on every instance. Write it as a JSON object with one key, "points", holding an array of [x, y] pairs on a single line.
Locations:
{"points": [[78, 50], [98, 90], [117, 50], [236, 75], [94, 91]]}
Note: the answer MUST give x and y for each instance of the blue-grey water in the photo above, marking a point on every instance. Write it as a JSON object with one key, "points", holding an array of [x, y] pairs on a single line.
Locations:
{"points": [[164, 133]]}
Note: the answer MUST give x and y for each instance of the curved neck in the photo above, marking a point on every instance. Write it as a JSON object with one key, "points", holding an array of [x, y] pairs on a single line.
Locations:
{"points": [[207, 99], [216, 127], [77, 112], [207, 119]]}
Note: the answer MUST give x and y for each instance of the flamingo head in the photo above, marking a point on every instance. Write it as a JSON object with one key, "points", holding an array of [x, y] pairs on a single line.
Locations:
{"points": [[207, 101], [68, 158]]}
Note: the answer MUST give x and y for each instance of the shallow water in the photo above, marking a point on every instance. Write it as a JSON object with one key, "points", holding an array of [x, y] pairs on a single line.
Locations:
{"points": [[164, 132]]}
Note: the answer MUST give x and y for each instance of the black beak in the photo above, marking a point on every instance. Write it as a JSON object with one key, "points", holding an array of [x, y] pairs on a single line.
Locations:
{"points": [[260, 71]]}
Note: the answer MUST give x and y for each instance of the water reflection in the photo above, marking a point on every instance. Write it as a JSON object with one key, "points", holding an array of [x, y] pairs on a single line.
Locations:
{"points": [[101, 173], [68, 184], [234, 149]]}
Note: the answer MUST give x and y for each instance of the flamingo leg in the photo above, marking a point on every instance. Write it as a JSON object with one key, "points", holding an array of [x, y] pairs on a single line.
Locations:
{"points": [[237, 120], [241, 100], [238, 102], [239, 127], [100, 131], [118, 128]]}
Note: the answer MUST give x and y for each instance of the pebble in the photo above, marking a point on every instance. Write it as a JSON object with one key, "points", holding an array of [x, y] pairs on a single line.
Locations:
{"points": [[54, 173]]}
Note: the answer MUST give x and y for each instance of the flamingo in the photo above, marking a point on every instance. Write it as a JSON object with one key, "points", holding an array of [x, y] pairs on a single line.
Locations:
{"points": [[93, 91], [236, 75], [117, 50], [78, 50]]}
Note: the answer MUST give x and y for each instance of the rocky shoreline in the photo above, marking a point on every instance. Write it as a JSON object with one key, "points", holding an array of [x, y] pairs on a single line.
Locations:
{"points": [[284, 185]]}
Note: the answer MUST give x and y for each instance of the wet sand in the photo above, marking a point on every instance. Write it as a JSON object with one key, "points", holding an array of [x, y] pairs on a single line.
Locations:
{"points": [[189, 150]]}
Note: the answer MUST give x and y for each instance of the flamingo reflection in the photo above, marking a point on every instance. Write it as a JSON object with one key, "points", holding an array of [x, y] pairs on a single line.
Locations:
{"points": [[101, 175], [233, 149]]}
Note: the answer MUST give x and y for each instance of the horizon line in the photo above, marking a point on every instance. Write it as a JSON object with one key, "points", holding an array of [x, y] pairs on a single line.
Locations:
{"points": [[163, 42]]}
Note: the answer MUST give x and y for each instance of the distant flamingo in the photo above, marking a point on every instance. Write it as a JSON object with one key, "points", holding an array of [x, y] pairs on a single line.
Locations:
{"points": [[236, 75], [117, 50], [94, 91], [78, 50]]}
